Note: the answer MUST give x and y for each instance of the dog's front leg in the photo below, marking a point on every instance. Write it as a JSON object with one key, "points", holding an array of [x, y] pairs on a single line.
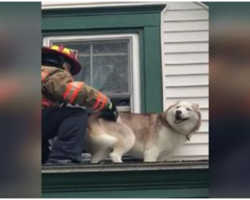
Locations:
{"points": [[150, 155]]}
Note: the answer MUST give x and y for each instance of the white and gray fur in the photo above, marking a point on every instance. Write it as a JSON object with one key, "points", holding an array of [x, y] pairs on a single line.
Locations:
{"points": [[151, 137]]}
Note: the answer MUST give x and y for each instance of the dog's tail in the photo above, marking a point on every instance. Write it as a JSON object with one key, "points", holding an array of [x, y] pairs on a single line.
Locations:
{"points": [[97, 135]]}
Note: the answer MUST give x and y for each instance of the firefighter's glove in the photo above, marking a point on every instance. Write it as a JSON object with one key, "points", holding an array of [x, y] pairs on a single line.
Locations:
{"points": [[110, 113]]}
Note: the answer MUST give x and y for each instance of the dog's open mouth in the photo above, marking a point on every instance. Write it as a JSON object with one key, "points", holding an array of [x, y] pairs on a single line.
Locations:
{"points": [[179, 120]]}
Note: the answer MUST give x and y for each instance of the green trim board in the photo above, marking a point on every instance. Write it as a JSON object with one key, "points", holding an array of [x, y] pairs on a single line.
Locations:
{"points": [[91, 22], [153, 72], [128, 184], [105, 17], [144, 20], [109, 10], [142, 193]]}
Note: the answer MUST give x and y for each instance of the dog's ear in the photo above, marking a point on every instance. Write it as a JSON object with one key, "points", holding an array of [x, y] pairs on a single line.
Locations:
{"points": [[172, 105], [196, 106]]}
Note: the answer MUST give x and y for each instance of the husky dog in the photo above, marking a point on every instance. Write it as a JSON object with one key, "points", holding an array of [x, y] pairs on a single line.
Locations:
{"points": [[151, 137]]}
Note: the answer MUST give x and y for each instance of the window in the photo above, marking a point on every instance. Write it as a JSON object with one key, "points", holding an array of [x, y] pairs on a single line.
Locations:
{"points": [[110, 64]]}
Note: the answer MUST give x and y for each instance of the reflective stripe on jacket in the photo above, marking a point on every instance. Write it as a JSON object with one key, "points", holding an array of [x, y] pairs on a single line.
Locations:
{"points": [[60, 86]]}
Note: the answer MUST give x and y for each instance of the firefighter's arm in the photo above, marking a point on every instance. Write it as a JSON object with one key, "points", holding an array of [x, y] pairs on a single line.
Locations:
{"points": [[61, 86]]}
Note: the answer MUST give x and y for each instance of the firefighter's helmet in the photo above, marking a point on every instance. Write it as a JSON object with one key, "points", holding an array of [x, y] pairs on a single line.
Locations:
{"points": [[69, 55]]}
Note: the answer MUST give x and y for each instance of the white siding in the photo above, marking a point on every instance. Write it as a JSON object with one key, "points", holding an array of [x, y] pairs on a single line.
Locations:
{"points": [[185, 67]]}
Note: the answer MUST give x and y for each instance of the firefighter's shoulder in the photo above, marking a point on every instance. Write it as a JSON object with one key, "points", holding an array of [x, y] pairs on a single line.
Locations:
{"points": [[52, 69]]}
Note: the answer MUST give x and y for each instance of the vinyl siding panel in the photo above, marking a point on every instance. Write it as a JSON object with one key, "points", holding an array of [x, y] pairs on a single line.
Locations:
{"points": [[185, 68], [185, 47], [199, 138], [185, 15], [186, 80], [193, 149], [186, 92], [185, 26], [186, 58], [202, 101], [181, 37]]}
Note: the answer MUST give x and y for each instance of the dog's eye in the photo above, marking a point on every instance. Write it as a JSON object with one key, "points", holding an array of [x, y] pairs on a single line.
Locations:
{"points": [[178, 107], [188, 109]]}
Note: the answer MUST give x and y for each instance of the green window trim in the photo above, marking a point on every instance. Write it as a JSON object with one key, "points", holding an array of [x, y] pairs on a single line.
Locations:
{"points": [[144, 20]]}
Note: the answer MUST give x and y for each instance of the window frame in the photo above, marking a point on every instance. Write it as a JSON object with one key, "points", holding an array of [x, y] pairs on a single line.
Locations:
{"points": [[145, 20], [134, 69]]}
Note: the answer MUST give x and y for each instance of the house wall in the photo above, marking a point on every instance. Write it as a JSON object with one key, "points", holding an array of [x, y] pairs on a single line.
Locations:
{"points": [[184, 48], [185, 67]]}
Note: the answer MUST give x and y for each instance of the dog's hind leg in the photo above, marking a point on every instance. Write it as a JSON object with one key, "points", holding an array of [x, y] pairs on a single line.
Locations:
{"points": [[116, 155], [122, 147], [99, 156]]}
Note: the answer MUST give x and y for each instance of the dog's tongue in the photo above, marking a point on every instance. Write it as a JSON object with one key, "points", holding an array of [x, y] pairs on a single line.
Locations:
{"points": [[178, 118], [177, 121]]}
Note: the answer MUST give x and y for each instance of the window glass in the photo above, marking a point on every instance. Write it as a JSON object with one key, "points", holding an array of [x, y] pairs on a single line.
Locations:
{"points": [[106, 66]]}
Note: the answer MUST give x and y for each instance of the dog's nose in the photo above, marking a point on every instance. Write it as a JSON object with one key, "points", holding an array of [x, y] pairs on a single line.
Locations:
{"points": [[178, 112]]}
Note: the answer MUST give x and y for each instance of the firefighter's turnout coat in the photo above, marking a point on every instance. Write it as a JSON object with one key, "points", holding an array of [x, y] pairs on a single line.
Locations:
{"points": [[58, 86]]}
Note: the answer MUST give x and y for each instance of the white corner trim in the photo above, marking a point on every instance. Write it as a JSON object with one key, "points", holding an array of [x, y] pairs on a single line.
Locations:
{"points": [[162, 56], [202, 5]]}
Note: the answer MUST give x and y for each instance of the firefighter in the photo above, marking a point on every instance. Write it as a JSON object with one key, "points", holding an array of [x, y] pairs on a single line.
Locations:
{"points": [[69, 124]]}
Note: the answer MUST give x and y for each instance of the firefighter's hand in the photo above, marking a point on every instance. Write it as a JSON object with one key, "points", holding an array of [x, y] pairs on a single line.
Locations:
{"points": [[110, 113]]}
